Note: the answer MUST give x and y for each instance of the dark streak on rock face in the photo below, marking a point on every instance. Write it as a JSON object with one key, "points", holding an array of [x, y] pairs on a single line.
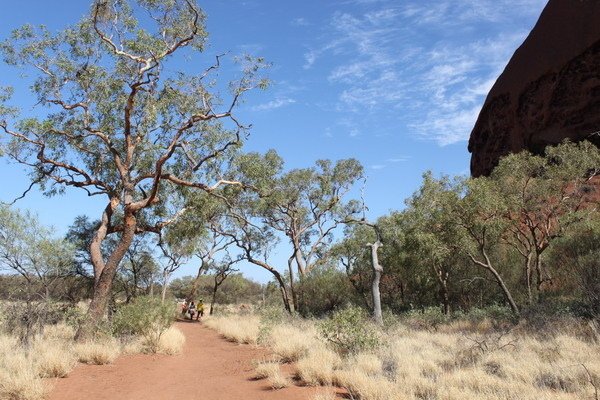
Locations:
{"points": [[548, 92]]}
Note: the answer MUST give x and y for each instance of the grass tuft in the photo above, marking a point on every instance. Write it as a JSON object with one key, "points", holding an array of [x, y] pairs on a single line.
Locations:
{"points": [[98, 353]]}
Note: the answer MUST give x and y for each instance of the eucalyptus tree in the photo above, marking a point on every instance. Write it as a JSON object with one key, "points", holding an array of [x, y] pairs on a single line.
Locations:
{"points": [[544, 195], [243, 223], [350, 252], [361, 234], [80, 234], [256, 244], [431, 232], [479, 219], [204, 217], [115, 122], [29, 249], [308, 205]]}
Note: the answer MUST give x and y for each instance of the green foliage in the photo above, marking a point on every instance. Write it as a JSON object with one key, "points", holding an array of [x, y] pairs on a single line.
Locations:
{"points": [[426, 318], [323, 290], [533, 221], [493, 312], [74, 316], [350, 330], [577, 258], [235, 289], [29, 249], [146, 317]]}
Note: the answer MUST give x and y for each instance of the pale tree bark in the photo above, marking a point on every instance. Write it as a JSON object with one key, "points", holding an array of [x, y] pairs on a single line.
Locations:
{"points": [[442, 276], [377, 272], [163, 294], [293, 293]]}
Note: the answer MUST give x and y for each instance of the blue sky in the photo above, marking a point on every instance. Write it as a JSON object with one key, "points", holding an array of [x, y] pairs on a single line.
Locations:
{"points": [[397, 84]]}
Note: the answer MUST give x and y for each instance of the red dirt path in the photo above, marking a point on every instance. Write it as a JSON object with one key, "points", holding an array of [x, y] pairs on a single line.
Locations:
{"points": [[209, 368]]}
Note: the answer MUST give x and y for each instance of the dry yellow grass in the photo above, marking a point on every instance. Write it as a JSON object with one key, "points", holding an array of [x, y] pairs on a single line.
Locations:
{"points": [[52, 359], [239, 329], [60, 332], [171, 341], [133, 346], [278, 381], [19, 379], [271, 371], [290, 343], [54, 354], [318, 366], [461, 361], [265, 369], [97, 352]]}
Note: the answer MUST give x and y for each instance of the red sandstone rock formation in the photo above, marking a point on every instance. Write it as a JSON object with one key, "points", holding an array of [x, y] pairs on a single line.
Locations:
{"points": [[548, 92]]}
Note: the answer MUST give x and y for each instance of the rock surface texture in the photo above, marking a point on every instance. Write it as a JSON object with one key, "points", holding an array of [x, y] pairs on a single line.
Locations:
{"points": [[548, 92]]}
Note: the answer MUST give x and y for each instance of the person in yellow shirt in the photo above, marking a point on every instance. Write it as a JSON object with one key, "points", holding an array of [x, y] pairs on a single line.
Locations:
{"points": [[199, 309]]}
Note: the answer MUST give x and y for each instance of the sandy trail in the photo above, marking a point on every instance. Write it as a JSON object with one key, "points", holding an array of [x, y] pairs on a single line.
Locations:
{"points": [[209, 368]]}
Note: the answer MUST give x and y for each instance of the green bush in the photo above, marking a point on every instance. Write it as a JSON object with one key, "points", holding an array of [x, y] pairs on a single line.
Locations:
{"points": [[323, 290], [350, 330], [146, 317], [426, 318], [74, 316]]}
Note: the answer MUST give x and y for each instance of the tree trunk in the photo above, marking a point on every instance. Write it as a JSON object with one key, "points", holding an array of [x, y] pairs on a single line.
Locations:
{"points": [[214, 297], [284, 294], [377, 271], [442, 276], [528, 274], [539, 267], [163, 294], [445, 297], [488, 266], [507, 294], [105, 278], [292, 287]]}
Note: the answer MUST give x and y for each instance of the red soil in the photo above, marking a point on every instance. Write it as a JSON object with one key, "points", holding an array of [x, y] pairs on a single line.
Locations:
{"points": [[209, 368]]}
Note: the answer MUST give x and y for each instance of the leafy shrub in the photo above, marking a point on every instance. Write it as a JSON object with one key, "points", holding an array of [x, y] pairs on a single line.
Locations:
{"points": [[146, 317], [350, 330], [427, 318], [74, 316], [323, 290]]}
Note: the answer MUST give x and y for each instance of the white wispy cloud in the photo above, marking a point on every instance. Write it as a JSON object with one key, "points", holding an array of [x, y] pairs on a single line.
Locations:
{"points": [[300, 22], [458, 12], [398, 159], [377, 166], [423, 62], [274, 104]]}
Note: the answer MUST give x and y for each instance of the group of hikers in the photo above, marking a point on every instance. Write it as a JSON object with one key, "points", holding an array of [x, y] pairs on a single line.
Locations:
{"points": [[192, 309]]}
